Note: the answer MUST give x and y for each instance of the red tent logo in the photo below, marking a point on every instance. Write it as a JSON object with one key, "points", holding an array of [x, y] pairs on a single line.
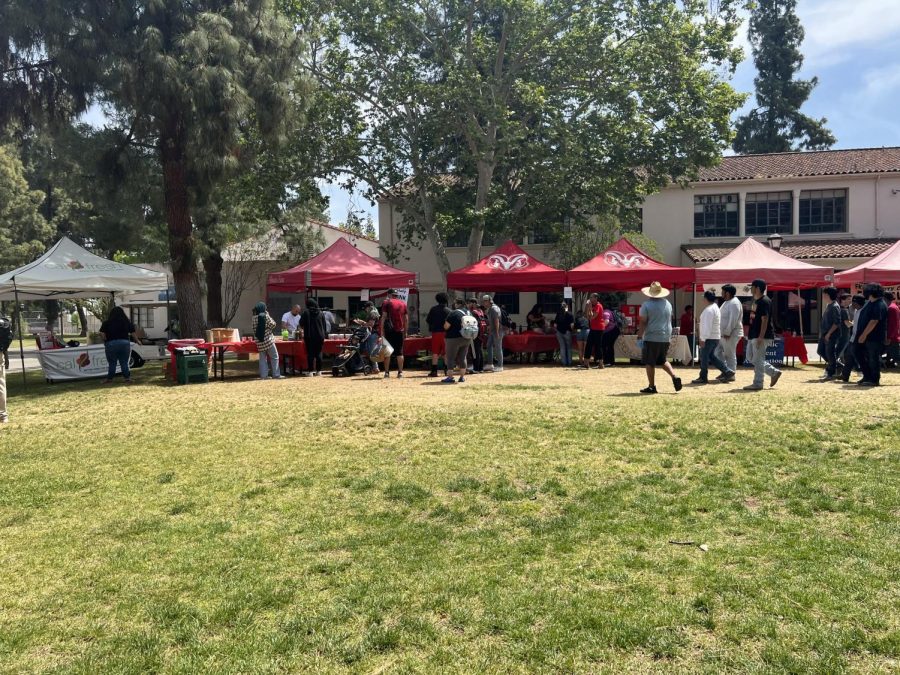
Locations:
{"points": [[75, 265], [498, 261], [627, 260]]}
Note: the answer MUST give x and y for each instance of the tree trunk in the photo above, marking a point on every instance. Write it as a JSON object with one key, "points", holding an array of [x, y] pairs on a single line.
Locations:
{"points": [[182, 246], [212, 266], [51, 309], [476, 236], [82, 319], [432, 234]]}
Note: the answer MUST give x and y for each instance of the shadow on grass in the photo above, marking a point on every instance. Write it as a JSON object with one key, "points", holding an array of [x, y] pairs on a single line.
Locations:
{"points": [[36, 387]]}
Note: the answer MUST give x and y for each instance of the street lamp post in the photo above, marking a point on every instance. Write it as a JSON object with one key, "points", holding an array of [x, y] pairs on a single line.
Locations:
{"points": [[774, 241]]}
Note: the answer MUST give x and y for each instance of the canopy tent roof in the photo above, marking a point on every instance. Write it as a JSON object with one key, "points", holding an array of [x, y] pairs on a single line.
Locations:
{"points": [[69, 271], [753, 260], [340, 267], [882, 269], [508, 268], [625, 267]]}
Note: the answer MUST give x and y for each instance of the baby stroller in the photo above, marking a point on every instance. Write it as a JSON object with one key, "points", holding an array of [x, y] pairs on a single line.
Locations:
{"points": [[350, 360]]}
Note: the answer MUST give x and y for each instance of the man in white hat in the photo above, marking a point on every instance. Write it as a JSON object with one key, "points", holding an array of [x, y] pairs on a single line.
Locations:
{"points": [[654, 335]]}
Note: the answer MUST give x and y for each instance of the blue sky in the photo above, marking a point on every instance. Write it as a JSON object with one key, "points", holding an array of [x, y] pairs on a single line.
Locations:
{"points": [[853, 46]]}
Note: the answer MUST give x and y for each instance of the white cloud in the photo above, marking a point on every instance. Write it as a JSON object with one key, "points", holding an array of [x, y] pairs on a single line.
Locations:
{"points": [[835, 28], [882, 81]]}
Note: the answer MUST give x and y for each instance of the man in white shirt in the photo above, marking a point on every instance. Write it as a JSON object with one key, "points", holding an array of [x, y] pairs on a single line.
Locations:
{"points": [[732, 327], [290, 320], [330, 320], [710, 333]]}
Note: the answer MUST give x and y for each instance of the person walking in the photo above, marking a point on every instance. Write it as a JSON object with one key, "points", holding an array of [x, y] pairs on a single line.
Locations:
{"points": [[476, 365], [315, 330], [436, 318], [710, 334], [830, 333], [871, 335], [6, 338], [761, 336], [394, 324], [654, 335], [846, 325], [564, 322], [461, 328], [893, 330], [494, 356], [612, 318], [116, 332], [263, 324], [731, 315], [593, 311], [850, 351]]}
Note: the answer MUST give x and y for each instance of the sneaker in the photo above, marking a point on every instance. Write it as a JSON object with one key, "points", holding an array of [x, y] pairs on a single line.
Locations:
{"points": [[775, 378], [721, 377], [649, 390], [677, 382], [386, 374], [432, 372], [305, 374], [281, 377], [462, 378], [448, 380], [699, 380], [400, 374], [488, 369], [753, 387], [866, 383], [497, 370], [726, 377]]}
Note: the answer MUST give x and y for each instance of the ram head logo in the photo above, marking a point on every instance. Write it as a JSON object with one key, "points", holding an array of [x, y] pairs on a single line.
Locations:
{"points": [[498, 261], [617, 259]]}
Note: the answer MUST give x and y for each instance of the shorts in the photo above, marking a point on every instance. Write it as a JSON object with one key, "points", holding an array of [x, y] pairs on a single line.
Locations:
{"points": [[654, 353], [582, 335], [438, 341], [395, 340], [457, 351]]}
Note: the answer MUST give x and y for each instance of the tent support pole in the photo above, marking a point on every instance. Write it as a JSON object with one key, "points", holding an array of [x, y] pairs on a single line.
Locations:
{"points": [[800, 310], [19, 325], [693, 343]]}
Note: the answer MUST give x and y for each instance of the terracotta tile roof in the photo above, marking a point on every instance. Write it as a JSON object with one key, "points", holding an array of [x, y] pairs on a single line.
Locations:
{"points": [[797, 164], [799, 250]]}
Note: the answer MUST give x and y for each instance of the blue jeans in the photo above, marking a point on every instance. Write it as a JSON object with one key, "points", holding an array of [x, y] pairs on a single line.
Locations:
{"points": [[118, 351], [264, 362], [494, 351], [707, 356], [565, 347], [757, 356]]}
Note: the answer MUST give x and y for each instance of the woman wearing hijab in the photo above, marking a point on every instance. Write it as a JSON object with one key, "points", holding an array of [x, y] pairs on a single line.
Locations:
{"points": [[265, 341], [312, 322], [116, 331]]}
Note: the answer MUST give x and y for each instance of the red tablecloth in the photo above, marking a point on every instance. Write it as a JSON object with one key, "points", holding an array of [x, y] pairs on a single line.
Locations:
{"points": [[296, 349], [795, 346], [530, 342]]}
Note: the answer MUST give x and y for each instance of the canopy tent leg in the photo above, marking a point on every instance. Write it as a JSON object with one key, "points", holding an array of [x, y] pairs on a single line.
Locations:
{"points": [[693, 343], [800, 310], [19, 325]]}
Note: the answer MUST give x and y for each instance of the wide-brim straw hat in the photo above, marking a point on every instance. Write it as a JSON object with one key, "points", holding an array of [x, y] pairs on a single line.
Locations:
{"points": [[655, 290]]}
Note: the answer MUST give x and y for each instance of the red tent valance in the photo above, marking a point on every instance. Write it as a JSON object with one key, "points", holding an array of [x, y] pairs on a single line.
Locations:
{"points": [[340, 267], [883, 269], [625, 267], [508, 268], [752, 260]]}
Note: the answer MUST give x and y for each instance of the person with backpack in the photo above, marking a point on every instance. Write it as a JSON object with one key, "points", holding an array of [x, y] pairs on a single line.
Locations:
{"points": [[477, 364], [6, 337], [462, 329], [495, 331]]}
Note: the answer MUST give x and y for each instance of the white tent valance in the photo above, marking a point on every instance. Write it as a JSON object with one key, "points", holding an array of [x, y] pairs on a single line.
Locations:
{"points": [[69, 271]]}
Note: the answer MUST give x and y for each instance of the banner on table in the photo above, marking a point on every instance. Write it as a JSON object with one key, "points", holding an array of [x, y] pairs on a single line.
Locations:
{"points": [[75, 363]]}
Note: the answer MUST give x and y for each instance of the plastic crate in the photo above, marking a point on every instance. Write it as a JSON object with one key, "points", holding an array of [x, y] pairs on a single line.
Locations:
{"points": [[191, 368], [775, 353]]}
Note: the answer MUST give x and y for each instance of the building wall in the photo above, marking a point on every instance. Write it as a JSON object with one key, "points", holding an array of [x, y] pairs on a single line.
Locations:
{"points": [[873, 210]]}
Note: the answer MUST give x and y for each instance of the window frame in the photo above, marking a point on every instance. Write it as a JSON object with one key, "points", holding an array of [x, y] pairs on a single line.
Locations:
{"points": [[509, 300], [783, 202], [723, 200], [816, 202]]}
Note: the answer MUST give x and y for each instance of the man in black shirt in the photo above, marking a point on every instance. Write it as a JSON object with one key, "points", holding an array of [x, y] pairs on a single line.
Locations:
{"points": [[760, 337], [830, 332], [437, 315], [870, 335]]}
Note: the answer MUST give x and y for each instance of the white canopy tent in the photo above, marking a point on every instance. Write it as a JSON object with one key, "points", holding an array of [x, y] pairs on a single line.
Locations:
{"points": [[68, 271]]}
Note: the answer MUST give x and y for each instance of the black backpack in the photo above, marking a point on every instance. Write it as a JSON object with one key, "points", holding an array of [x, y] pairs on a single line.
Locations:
{"points": [[505, 321], [6, 333]]}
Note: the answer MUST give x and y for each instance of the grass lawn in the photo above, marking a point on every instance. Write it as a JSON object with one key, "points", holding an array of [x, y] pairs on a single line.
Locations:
{"points": [[524, 521]]}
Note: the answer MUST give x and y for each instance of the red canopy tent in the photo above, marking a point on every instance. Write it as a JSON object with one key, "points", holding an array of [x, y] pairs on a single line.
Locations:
{"points": [[625, 267], [340, 267], [508, 268], [752, 260], [883, 269]]}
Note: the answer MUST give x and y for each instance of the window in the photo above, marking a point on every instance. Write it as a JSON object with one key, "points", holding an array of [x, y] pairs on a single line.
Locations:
{"points": [[823, 211], [508, 301], [543, 234], [550, 302], [325, 301], [142, 316], [716, 216], [768, 212], [460, 238], [354, 305]]}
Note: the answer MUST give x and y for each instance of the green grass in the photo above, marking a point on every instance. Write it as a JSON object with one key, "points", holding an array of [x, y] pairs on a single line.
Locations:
{"points": [[521, 522]]}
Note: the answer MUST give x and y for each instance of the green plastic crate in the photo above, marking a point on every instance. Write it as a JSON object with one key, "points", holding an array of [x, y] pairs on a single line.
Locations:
{"points": [[191, 368]]}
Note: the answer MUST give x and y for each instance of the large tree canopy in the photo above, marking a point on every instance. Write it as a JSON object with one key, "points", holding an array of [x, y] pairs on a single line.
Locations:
{"points": [[24, 233], [776, 124]]}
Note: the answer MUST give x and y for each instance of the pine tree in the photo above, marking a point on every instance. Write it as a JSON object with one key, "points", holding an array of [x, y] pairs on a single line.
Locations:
{"points": [[776, 124]]}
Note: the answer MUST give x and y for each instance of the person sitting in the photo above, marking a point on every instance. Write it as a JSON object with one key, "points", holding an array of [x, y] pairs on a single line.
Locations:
{"points": [[536, 320]]}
